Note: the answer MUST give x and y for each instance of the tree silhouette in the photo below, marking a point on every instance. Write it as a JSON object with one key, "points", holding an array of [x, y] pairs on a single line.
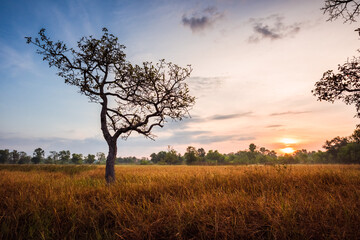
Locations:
{"points": [[133, 98], [345, 84], [346, 9]]}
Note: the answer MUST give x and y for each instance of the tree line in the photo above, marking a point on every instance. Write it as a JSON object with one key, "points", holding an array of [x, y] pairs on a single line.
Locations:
{"points": [[343, 150]]}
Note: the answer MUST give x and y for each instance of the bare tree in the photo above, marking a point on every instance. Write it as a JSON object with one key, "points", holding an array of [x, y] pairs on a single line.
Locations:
{"points": [[133, 98], [346, 9]]}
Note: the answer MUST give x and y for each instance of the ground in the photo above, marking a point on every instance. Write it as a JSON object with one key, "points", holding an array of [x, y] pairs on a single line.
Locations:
{"points": [[180, 202]]}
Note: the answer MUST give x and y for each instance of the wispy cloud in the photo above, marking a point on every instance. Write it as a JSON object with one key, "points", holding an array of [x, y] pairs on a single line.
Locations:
{"points": [[230, 116], [14, 60], [202, 137], [205, 83], [274, 126], [273, 28], [199, 21], [289, 113]]}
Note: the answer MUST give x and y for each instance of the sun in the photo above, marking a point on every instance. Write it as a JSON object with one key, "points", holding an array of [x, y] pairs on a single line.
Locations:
{"points": [[287, 150]]}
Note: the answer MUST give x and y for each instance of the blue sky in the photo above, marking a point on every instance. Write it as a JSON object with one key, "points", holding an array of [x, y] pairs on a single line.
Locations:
{"points": [[255, 63]]}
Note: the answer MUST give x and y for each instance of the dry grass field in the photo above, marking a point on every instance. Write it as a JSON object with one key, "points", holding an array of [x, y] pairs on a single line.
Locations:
{"points": [[180, 202]]}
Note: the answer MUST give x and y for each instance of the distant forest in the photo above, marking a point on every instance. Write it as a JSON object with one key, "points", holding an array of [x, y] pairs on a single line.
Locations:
{"points": [[338, 150]]}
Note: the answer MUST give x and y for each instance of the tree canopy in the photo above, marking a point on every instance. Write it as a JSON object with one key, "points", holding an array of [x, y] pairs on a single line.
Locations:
{"points": [[344, 85]]}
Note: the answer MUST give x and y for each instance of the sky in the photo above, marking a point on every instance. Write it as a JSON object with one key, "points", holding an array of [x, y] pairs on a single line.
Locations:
{"points": [[254, 64]]}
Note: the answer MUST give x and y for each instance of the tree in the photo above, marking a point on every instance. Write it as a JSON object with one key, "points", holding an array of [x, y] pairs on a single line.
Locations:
{"points": [[49, 160], [201, 152], [24, 158], [355, 137], [133, 98], [4, 156], [158, 158], [101, 158], [54, 156], [64, 156], [14, 157], [344, 85], [215, 156], [347, 9], [172, 157], [77, 158], [90, 159], [127, 160], [38, 155], [252, 147], [333, 147], [191, 155]]}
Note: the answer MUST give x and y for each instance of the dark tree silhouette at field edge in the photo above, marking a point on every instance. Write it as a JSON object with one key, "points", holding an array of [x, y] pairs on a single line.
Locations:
{"points": [[133, 98]]}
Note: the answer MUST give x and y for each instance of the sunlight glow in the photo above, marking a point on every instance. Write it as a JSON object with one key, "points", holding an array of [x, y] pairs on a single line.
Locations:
{"points": [[288, 141], [287, 150]]}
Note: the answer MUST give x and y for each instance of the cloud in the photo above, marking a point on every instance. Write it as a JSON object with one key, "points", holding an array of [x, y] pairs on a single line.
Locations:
{"points": [[202, 84], [273, 28], [230, 116], [202, 137], [245, 138], [289, 113], [274, 126], [202, 20], [16, 61]]}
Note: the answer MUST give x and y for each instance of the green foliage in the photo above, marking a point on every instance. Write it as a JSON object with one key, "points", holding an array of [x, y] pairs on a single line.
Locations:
{"points": [[127, 160], [53, 157], [4, 156], [64, 157], [14, 157], [350, 153], [77, 158], [145, 162], [89, 159], [24, 158], [158, 157], [101, 158], [36, 160], [171, 157], [252, 147], [191, 155], [38, 156], [49, 160], [287, 159], [215, 157], [344, 150]]}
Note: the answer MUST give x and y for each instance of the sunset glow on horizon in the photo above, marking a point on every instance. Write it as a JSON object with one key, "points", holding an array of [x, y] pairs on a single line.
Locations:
{"points": [[288, 141], [287, 150], [289, 145]]}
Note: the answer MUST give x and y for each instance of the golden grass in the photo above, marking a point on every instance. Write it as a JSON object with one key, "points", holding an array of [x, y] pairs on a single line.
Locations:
{"points": [[183, 202]]}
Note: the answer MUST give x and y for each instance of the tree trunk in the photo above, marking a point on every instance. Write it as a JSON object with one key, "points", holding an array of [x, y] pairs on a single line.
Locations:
{"points": [[110, 163]]}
